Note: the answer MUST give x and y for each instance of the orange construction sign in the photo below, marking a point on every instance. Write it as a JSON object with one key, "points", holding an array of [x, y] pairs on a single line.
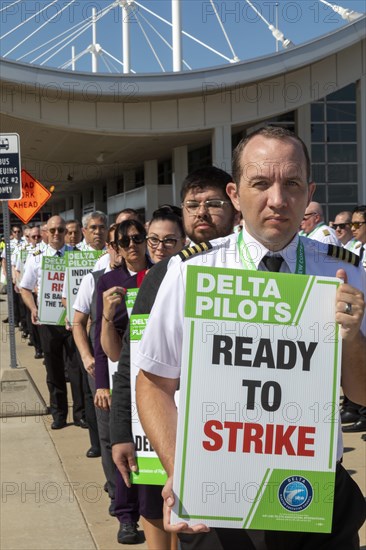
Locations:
{"points": [[34, 196]]}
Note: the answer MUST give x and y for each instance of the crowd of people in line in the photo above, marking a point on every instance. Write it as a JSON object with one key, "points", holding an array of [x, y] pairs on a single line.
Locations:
{"points": [[271, 207]]}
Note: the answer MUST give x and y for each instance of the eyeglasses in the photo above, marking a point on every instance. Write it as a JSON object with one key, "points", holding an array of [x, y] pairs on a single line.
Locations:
{"points": [[213, 206], [124, 242], [53, 230], [340, 225], [35, 236], [16, 231], [307, 216], [167, 242], [356, 225]]}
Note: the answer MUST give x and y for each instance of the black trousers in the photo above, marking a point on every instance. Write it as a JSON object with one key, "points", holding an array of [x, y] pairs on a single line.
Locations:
{"points": [[109, 467], [52, 339], [349, 513], [57, 343], [75, 376]]}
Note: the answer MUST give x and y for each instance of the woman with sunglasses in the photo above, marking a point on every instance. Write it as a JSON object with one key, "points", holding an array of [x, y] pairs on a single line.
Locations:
{"points": [[165, 238], [111, 322]]}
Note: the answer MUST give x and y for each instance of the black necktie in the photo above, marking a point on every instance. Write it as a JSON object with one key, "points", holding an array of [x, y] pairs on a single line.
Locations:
{"points": [[272, 263], [59, 253]]}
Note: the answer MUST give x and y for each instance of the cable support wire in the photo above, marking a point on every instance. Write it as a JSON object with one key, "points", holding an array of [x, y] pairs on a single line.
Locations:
{"points": [[162, 38], [105, 62], [185, 33], [84, 25], [78, 25], [38, 29], [89, 24], [27, 20], [69, 37], [223, 30], [10, 5], [278, 35], [76, 58], [345, 13], [150, 44]]}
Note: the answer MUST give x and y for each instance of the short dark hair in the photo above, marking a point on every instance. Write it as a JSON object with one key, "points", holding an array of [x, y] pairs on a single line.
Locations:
{"points": [[69, 222], [270, 132], [168, 212], [208, 176], [361, 209], [123, 227]]}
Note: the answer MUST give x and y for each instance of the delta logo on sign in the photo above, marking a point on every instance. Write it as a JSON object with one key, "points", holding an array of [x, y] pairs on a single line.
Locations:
{"points": [[34, 196]]}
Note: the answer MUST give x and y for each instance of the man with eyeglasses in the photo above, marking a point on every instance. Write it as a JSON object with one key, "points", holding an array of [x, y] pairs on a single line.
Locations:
{"points": [[313, 225], [354, 412], [271, 187], [53, 337], [342, 227], [358, 227]]}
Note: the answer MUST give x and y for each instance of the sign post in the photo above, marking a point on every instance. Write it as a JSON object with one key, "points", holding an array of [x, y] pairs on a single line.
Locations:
{"points": [[10, 188]]}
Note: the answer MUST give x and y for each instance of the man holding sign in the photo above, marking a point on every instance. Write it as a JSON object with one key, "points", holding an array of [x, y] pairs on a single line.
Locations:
{"points": [[271, 171], [53, 335]]}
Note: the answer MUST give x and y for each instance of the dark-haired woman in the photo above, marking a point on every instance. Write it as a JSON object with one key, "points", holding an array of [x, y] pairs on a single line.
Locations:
{"points": [[130, 243], [165, 237]]}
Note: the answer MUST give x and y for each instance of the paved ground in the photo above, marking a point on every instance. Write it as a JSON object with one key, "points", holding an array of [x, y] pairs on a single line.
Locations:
{"points": [[52, 495]]}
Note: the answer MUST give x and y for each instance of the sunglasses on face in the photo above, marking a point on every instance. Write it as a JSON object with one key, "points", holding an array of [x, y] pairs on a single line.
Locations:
{"points": [[124, 242], [356, 225], [53, 230], [340, 225], [35, 236]]}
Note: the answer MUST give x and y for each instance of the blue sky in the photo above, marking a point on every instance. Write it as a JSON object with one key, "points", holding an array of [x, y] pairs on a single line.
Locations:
{"points": [[300, 21]]}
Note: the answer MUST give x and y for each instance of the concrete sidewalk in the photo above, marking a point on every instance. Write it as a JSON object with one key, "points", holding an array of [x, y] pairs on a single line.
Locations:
{"points": [[52, 495]]}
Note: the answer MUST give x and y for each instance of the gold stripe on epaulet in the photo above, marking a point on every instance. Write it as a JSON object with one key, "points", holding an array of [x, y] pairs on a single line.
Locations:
{"points": [[343, 254], [37, 252], [189, 251]]}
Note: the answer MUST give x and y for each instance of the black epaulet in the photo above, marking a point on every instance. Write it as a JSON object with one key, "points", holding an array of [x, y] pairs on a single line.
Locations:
{"points": [[343, 254], [189, 251], [38, 252]]}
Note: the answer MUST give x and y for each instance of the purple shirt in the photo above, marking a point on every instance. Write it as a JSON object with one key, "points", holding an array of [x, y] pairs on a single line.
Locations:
{"points": [[116, 277]]}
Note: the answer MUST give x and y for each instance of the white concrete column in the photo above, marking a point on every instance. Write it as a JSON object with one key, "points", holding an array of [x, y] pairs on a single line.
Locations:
{"points": [[151, 187], [180, 171], [361, 138], [221, 147]]}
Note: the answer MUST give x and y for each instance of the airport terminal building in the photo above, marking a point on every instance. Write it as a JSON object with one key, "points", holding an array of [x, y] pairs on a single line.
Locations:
{"points": [[109, 142]]}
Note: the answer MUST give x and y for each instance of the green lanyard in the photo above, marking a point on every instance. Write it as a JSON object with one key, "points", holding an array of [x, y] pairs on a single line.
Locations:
{"points": [[248, 263]]}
